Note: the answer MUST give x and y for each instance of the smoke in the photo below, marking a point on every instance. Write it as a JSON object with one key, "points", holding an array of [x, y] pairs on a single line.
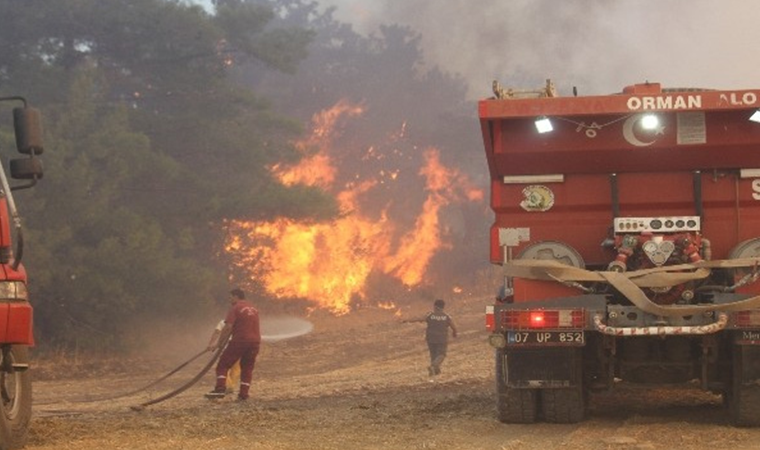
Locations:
{"points": [[598, 46]]}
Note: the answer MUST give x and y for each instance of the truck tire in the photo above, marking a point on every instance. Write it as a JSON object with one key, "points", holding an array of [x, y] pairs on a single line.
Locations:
{"points": [[513, 405], [563, 405], [743, 399], [16, 397], [566, 404]]}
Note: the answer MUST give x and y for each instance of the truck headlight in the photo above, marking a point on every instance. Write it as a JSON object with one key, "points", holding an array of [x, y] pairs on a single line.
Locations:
{"points": [[13, 291]]}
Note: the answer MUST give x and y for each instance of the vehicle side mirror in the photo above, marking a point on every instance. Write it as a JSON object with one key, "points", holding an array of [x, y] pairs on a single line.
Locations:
{"points": [[26, 168], [27, 123]]}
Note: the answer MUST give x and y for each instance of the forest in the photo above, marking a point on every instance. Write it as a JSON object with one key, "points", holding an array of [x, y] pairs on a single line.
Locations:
{"points": [[187, 151]]}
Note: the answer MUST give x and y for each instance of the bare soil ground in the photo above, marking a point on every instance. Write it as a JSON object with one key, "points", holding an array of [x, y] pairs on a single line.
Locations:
{"points": [[356, 382]]}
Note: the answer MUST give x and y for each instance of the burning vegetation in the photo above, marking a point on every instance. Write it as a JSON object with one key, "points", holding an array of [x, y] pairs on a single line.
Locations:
{"points": [[329, 263]]}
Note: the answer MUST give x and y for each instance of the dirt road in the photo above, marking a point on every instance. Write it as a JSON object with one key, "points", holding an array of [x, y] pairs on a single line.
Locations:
{"points": [[359, 382]]}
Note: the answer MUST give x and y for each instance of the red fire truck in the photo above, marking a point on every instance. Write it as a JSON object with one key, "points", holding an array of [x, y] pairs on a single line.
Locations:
{"points": [[628, 229], [15, 309]]}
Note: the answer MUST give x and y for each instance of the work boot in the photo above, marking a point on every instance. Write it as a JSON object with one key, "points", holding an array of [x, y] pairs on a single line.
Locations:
{"points": [[243, 392], [216, 393]]}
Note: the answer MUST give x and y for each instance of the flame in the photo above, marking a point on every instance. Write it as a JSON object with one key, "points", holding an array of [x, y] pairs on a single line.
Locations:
{"points": [[420, 244], [314, 261], [386, 305], [317, 169], [314, 170], [329, 263], [390, 306]]}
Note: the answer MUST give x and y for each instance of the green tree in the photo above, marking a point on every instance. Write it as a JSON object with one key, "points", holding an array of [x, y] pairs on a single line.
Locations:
{"points": [[96, 259], [150, 147]]}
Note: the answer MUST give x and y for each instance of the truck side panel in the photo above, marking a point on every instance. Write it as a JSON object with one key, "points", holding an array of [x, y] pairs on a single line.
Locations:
{"points": [[629, 231]]}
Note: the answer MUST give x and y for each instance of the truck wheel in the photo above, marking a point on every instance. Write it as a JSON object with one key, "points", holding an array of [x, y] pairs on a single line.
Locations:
{"points": [[567, 404], [743, 399], [16, 397], [563, 405], [513, 405]]}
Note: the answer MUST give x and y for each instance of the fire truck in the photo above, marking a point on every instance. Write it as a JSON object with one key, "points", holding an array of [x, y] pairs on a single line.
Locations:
{"points": [[15, 310], [627, 227]]}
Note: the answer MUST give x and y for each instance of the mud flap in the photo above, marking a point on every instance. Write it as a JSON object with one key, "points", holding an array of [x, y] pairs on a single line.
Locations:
{"points": [[543, 368], [747, 364], [743, 398]]}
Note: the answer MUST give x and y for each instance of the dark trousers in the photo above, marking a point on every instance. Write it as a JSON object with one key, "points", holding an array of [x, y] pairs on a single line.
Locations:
{"points": [[246, 352], [437, 354]]}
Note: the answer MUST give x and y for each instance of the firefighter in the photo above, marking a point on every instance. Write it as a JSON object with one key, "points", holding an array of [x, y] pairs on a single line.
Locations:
{"points": [[437, 335], [242, 326], [233, 376]]}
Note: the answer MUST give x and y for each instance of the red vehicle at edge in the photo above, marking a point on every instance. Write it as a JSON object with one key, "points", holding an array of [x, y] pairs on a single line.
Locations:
{"points": [[15, 310], [628, 228]]}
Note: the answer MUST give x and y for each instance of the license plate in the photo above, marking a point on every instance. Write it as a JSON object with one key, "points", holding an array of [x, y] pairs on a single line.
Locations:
{"points": [[545, 337]]}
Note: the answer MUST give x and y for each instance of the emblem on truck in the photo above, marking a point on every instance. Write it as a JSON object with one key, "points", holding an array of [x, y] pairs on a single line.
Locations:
{"points": [[630, 135], [537, 198]]}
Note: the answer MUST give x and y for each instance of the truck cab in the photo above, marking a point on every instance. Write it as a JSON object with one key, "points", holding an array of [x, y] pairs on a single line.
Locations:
{"points": [[16, 312]]}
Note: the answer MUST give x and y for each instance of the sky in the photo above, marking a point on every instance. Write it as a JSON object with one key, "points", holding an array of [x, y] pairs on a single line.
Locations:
{"points": [[598, 46]]}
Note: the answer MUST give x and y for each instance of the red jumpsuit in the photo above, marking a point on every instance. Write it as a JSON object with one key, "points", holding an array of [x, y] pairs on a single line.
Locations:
{"points": [[243, 345]]}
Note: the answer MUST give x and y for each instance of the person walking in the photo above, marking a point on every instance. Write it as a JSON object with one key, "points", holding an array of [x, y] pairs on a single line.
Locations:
{"points": [[242, 328], [437, 335]]}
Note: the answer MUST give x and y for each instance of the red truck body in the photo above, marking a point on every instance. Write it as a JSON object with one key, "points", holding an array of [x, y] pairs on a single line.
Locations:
{"points": [[15, 310], [15, 316], [629, 233]]}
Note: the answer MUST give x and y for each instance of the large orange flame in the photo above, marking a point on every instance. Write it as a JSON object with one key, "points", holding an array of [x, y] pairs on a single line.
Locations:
{"points": [[316, 168], [329, 263]]}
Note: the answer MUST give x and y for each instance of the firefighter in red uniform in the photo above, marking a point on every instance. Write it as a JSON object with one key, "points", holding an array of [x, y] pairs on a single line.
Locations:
{"points": [[242, 321], [233, 376]]}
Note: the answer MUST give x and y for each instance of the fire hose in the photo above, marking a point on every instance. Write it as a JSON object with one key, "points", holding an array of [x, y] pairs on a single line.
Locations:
{"points": [[630, 283], [185, 386], [172, 393], [147, 386], [168, 395], [224, 338], [301, 327]]}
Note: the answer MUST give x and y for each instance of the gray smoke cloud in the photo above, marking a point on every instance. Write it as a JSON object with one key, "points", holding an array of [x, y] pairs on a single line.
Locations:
{"points": [[596, 45]]}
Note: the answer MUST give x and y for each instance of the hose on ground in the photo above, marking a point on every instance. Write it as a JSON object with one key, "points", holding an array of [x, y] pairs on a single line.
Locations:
{"points": [[187, 385], [147, 386]]}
